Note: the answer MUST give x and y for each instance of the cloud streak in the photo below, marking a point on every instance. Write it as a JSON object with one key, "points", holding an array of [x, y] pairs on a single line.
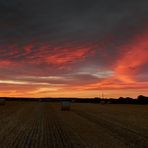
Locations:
{"points": [[73, 48]]}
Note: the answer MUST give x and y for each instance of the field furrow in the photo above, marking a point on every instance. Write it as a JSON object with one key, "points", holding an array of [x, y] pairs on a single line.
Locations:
{"points": [[128, 136], [44, 125]]}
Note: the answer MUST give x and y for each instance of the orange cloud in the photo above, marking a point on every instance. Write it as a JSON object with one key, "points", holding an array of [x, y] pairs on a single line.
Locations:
{"points": [[135, 54], [7, 63], [32, 65], [67, 56]]}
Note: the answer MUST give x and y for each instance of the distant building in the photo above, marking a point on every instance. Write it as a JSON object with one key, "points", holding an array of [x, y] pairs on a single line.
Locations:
{"points": [[102, 102]]}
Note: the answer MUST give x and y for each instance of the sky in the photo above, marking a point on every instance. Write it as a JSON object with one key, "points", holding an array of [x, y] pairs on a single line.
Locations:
{"points": [[73, 48]]}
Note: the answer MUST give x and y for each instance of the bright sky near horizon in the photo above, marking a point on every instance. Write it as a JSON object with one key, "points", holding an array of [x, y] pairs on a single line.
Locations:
{"points": [[73, 48]]}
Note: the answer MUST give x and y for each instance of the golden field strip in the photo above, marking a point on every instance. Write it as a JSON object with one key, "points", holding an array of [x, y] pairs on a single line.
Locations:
{"points": [[44, 125]]}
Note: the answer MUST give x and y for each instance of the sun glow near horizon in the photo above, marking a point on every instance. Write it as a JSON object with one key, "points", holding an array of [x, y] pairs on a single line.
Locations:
{"points": [[55, 49]]}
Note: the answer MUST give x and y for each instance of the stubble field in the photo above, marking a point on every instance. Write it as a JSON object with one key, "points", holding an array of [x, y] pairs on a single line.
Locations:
{"points": [[44, 125]]}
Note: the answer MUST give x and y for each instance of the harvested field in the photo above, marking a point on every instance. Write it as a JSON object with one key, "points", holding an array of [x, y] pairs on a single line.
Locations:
{"points": [[44, 125]]}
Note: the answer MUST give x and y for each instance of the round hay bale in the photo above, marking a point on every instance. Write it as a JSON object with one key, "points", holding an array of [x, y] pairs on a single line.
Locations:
{"points": [[65, 105]]}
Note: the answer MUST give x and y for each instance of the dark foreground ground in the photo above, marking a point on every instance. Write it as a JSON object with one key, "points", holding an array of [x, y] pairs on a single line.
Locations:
{"points": [[44, 125]]}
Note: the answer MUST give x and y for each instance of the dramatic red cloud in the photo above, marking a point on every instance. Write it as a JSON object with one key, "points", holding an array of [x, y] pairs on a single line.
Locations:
{"points": [[35, 53], [68, 56], [6, 63], [76, 70], [135, 56], [126, 69]]}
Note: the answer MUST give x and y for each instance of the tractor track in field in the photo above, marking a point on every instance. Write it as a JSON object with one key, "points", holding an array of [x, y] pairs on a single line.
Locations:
{"points": [[13, 130], [43, 125], [70, 138], [37, 126], [126, 135]]}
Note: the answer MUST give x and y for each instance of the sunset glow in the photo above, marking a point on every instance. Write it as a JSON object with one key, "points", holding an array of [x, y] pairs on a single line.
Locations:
{"points": [[73, 56]]}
